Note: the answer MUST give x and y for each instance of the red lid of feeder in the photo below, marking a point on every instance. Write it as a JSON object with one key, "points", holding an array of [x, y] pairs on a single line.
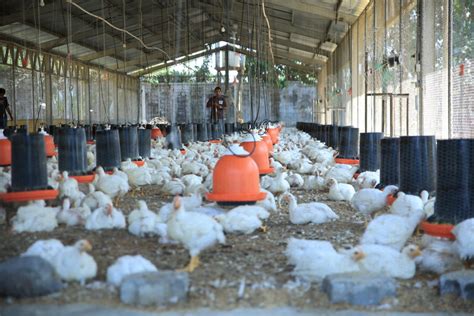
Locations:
{"points": [[90, 142], [29, 196], [156, 133], [274, 134], [215, 141], [347, 161], [268, 140], [88, 178], [235, 179], [139, 163], [5, 152], [259, 155], [438, 230], [49, 146]]}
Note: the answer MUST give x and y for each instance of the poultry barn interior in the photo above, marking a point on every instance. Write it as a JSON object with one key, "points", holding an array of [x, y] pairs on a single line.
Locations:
{"points": [[236, 157]]}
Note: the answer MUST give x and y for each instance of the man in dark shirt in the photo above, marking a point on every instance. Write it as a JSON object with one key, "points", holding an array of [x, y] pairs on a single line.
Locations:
{"points": [[4, 109], [217, 104]]}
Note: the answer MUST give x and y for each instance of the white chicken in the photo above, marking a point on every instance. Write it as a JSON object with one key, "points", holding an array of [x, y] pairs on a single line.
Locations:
{"points": [[106, 217], [252, 210], [407, 204], [315, 259], [428, 203], [314, 182], [95, 199], [342, 173], [388, 261], [368, 179], [464, 243], [73, 216], [239, 222], [173, 187], [112, 185], [368, 201], [35, 217], [188, 202], [69, 187], [142, 221], [279, 183], [121, 174], [195, 231], [314, 212], [127, 265], [340, 191], [268, 202], [438, 256], [139, 176], [46, 249], [389, 230], [73, 263], [295, 180]]}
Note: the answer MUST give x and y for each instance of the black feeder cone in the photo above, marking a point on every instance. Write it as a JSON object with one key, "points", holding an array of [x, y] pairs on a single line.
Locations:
{"points": [[144, 142], [128, 143], [454, 191], [201, 132], [89, 134], [210, 135], [72, 153], [195, 132], [370, 151], [417, 164], [333, 136], [29, 170], [187, 133], [348, 142], [390, 161], [229, 128], [173, 137], [108, 149]]}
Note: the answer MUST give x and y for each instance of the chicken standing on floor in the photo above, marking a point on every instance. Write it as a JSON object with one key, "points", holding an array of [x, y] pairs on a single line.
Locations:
{"points": [[368, 201], [72, 263], [279, 184], [195, 231], [314, 212]]}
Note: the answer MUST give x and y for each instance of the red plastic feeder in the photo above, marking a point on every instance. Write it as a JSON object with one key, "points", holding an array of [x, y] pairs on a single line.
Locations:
{"points": [[438, 230], [215, 141], [156, 133], [274, 134], [268, 140], [49, 146], [29, 196], [139, 163], [5, 152], [236, 179], [347, 161], [88, 178], [90, 142], [259, 154]]}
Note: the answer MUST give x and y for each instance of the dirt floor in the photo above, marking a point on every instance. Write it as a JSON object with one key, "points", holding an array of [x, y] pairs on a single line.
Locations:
{"points": [[256, 261]]}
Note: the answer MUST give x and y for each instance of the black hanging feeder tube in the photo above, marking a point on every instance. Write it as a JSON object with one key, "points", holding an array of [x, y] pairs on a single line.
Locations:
{"points": [[72, 152], [108, 149], [129, 142], [369, 151], [390, 161], [144, 142]]}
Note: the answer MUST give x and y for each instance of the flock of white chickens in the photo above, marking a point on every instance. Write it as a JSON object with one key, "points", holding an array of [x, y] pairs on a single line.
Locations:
{"points": [[301, 163]]}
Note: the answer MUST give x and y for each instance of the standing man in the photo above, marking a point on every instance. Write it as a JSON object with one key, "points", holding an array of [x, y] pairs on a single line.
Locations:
{"points": [[4, 109], [217, 104]]}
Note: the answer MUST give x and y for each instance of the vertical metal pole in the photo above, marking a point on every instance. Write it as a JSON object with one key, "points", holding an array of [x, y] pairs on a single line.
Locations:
{"points": [[400, 52], [14, 89], [408, 114], [366, 71], [419, 65], [33, 98], [89, 95], [78, 98], [450, 61], [392, 123], [374, 35], [384, 86]]}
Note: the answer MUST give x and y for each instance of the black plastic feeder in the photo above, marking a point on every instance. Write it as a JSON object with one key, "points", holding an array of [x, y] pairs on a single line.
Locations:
{"points": [[144, 142], [173, 137], [201, 132], [108, 149], [390, 161], [369, 152], [417, 164], [29, 170], [229, 128], [454, 193], [129, 142], [348, 142], [187, 133], [72, 153]]}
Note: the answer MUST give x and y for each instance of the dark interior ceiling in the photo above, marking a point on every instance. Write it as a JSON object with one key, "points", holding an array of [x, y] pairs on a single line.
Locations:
{"points": [[180, 28]]}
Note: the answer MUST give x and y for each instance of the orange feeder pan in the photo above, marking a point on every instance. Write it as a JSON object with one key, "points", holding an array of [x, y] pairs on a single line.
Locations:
{"points": [[215, 141], [5, 152], [268, 140], [438, 230], [88, 178], [236, 180], [49, 146], [259, 155], [139, 163], [156, 133], [90, 142], [274, 134], [347, 161], [29, 196]]}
